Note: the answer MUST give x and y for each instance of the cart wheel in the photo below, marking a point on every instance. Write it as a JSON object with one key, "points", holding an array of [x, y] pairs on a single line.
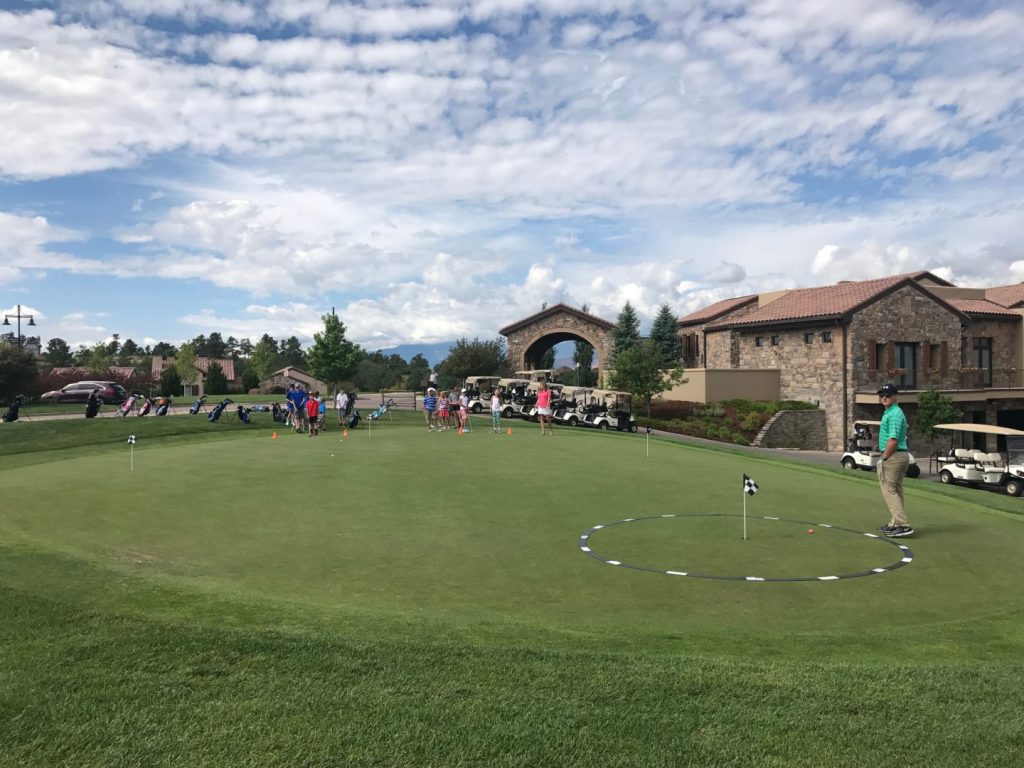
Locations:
{"points": [[1014, 486], [913, 471], [945, 476], [604, 426], [477, 408], [572, 421], [633, 428], [849, 463]]}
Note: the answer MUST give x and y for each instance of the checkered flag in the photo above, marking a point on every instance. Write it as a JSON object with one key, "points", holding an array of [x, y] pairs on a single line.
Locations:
{"points": [[131, 441], [749, 486]]}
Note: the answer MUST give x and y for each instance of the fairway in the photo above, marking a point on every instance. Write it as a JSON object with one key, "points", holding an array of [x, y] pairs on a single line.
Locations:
{"points": [[472, 544]]}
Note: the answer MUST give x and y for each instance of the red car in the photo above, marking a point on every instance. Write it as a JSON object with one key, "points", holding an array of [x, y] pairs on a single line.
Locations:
{"points": [[78, 392]]}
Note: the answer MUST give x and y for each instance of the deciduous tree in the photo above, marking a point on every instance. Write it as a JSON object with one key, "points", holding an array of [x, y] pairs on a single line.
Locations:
{"points": [[469, 358], [332, 358], [58, 353], [638, 370]]}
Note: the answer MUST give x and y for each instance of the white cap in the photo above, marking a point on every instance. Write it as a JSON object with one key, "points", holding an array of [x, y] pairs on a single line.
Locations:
{"points": [[463, 389]]}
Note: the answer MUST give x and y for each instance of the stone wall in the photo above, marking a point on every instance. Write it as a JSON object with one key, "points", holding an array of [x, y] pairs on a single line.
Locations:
{"points": [[805, 430], [697, 331], [561, 326], [1006, 350], [719, 349]]}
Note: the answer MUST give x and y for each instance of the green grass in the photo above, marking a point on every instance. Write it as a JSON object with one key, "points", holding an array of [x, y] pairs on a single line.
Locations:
{"points": [[249, 601]]}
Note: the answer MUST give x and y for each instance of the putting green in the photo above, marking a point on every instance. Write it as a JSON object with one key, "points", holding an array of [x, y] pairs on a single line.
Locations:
{"points": [[773, 549], [481, 532]]}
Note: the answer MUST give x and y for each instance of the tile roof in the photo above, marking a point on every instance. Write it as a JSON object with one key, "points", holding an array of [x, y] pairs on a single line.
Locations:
{"points": [[1006, 295], [714, 310], [982, 307], [824, 302]]}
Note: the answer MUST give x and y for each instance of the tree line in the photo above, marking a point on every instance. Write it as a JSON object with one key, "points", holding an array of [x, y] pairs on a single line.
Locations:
{"points": [[638, 364]]}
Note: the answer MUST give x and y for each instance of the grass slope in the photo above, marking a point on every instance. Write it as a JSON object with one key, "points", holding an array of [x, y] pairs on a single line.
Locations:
{"points": [[249, 601]]}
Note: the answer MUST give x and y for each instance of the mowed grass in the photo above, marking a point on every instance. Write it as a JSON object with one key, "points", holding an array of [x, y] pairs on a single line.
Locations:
{"points": [[420, 599]]}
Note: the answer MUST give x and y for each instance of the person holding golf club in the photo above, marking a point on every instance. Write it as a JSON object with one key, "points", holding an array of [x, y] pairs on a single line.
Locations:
{"points": [[892, 464]]}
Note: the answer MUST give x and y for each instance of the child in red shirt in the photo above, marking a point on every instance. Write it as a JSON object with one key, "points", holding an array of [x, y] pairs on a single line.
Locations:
{"points": [[313, 412]]}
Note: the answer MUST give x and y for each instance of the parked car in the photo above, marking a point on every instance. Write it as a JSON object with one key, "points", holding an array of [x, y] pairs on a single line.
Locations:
{"points": [[79, 391]]}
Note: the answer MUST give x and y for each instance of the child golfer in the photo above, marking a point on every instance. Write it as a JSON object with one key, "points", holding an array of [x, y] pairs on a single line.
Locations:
{"points": [[496, 410]]}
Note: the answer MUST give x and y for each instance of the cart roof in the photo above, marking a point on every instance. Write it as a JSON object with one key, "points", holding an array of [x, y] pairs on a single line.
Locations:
{"points": [[868, 422], [985, 429]]}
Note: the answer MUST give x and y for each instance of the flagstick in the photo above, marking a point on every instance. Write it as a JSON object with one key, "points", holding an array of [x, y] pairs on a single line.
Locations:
{"points": [[648, 445], [744, 515], [132, 458]]}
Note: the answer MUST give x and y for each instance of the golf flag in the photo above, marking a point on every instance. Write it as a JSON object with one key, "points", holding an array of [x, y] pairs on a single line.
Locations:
{"points": [[749, 486], [131, 439]]}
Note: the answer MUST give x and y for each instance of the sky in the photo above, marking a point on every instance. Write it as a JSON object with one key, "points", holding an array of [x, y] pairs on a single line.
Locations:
{"points": [[438, 169]]}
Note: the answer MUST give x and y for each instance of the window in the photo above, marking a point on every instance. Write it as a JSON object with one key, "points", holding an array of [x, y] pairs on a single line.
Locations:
{"points": [[826, 337], [906, 362], [808, 338], [775, 341], [981, 358], [759, 341]]}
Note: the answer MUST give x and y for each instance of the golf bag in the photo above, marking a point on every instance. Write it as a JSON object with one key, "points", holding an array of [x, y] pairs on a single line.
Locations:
{"points": [[278, 413], [13, 408], [125, 408], [381, 410], [198, 405], [146, 407], [92, 406], [353, 420], [163, 406], [243, 414], [218, 409]]}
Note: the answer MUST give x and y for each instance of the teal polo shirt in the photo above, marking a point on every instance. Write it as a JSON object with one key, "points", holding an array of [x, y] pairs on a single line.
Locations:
{"points": [[894, 424]]}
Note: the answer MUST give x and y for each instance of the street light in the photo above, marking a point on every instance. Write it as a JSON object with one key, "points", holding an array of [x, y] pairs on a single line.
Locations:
{"points": [[19, 316]]}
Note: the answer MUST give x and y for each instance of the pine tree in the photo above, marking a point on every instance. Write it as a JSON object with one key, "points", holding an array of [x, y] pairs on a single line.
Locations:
{"points": [[627, 331], [583, 356], [264, 356], [216, 381], [664, 336]]}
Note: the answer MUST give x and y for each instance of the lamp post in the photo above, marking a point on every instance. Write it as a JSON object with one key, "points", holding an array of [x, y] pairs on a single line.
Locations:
{"points": [[19, 316]]}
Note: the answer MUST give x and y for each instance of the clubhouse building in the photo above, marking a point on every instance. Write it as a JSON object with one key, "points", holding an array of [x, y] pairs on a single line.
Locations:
{"points": [[837, 344]]}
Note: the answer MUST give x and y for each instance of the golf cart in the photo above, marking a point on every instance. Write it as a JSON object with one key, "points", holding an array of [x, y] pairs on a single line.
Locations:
{"points": [[478, 389], [570, 409], [979, 469], [862, 450], [513, 395], [612, 411], [529, 409]]}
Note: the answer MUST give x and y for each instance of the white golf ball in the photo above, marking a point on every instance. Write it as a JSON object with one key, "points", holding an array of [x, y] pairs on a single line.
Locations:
{"points": [[332, 455]]}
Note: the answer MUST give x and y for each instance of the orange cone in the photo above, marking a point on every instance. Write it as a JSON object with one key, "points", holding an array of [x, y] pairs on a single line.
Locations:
{"points": [[274, 437], [344, 433], [509, 431]]}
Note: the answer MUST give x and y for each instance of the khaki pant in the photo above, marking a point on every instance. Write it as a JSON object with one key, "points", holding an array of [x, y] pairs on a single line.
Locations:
{"points": [[890, 478]]}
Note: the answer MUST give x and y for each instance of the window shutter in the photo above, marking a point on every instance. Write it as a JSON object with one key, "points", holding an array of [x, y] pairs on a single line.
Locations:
{"points": [[944, 356], [871, 354], [890, 355]]}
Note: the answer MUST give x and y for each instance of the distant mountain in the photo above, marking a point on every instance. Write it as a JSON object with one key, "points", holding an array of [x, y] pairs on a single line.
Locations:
{"points": [[434, 353]]}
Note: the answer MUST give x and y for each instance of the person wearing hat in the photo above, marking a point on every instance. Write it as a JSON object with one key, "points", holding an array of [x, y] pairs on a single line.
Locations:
{"points": [[892, 465], [429, 405]]}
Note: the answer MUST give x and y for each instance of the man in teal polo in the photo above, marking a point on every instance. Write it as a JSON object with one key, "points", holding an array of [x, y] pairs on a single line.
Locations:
{"points": [[892, 465]]}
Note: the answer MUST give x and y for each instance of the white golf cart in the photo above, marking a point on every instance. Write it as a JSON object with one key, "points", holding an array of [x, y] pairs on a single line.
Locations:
{"points": [[550, 375], [862, 450], [614, 414], [978, 468], [572, 406], [513, 393], [479, 389]]}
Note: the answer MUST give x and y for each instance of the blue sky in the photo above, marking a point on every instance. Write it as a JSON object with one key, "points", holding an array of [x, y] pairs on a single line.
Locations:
{"points": [[440, 169]]}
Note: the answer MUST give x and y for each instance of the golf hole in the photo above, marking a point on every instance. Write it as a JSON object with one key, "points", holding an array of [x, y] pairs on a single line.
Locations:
{"points": [[710, 546]]}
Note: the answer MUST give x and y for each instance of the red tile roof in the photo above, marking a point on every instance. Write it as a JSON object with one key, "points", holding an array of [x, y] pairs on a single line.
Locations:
{"points": [[825, 302], [202, 364], [982, 307], [715, 310], [1006, 295]]}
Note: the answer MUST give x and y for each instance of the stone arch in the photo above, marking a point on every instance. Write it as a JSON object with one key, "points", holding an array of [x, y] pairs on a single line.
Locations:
{"points": [[530, 337]]}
